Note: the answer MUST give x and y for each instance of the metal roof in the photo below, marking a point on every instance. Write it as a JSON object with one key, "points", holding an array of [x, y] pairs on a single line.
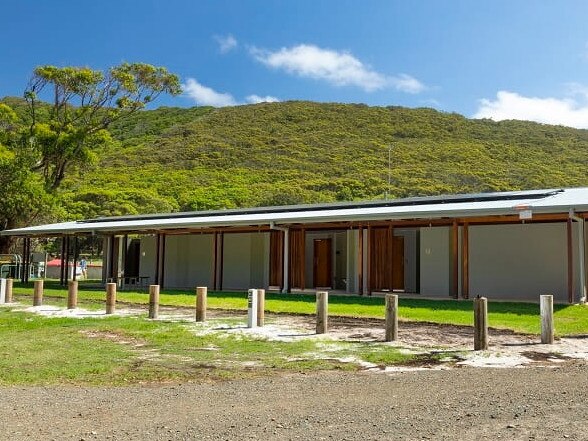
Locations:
{"points": [[428, 208]]}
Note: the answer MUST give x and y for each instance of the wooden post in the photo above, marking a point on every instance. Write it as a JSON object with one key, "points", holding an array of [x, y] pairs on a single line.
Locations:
{"points": [[153, 301], [38, 293], [480, 324], [8, 298], [547, 331], [391, 317], [322, 305], [201, 300], [72, 294], [260, 307], [110, 298]]}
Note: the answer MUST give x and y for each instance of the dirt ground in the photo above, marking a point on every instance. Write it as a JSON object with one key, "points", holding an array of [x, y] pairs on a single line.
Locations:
{"points": [[518, 390]]}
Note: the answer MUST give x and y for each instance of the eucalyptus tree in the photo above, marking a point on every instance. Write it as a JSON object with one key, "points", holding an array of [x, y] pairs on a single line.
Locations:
{"points": [[68, 111]]}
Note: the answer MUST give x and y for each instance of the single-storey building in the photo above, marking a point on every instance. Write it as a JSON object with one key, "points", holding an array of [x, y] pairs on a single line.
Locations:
{"points": [[506, 245]]}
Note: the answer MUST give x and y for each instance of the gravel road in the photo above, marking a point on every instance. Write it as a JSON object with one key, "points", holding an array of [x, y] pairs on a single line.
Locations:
{"points": [[463, 403]]}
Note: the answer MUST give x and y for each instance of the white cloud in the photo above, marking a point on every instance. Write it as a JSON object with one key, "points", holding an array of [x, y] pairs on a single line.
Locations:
{"points": [[226, 43], [255, 99], [205, 96], [511, 105], [406, 83], [338, 68]]}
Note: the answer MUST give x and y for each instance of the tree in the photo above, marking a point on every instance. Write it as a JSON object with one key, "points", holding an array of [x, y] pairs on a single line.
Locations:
{"points": [[39, 149]]}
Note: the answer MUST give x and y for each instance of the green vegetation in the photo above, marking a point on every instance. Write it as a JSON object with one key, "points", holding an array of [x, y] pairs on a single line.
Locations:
{"points": [[128, 350], [516, 316], [172, 159]]}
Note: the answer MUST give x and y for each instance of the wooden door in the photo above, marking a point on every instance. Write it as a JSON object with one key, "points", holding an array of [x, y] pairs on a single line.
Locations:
{"points": [[322, 263], [398, 262]]}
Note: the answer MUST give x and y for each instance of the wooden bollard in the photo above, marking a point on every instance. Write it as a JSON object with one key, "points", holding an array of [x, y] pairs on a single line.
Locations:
{"points": [[72, 294], [110, 298], [391, 317], [260, 307], [153, 301], [322, 311], [38, 293], [201, 301], [480, 324], [9, 283], [547, 330]]}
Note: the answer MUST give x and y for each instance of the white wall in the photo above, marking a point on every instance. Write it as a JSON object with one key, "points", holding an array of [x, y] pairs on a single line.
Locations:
{"points": [[188, 261], [434, 256]]}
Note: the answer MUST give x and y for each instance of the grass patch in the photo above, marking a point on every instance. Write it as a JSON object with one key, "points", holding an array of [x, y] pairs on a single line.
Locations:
{"points": [[516, 316], [119, 350]]}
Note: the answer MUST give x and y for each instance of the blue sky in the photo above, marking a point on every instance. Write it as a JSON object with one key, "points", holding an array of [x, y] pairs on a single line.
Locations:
{"points": [[499, 59]]}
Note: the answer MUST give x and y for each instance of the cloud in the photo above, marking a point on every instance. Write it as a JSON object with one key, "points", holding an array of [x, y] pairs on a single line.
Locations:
{"points": [[511, 105], [205, 96], [226, 43], [337, 68], [255, 99]]}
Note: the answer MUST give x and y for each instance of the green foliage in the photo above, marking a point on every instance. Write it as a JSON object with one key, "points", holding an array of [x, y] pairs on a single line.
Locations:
{"points": [[303, 152], [40, 143]]}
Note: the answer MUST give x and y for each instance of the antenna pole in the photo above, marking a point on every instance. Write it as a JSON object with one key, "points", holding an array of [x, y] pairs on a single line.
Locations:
{"points": [[389, 168]]}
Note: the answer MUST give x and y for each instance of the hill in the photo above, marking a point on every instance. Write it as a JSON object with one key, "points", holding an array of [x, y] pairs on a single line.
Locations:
{"points": [[172, 159]]}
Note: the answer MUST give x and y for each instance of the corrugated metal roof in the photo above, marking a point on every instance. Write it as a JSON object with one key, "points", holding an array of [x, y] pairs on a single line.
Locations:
{"points": [[503, 203]]}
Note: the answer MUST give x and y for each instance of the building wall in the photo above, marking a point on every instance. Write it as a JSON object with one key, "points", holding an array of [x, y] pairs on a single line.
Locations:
{"points": [[188, 261], [245, 261], [434, 261], [519, 261], [147, 257]]}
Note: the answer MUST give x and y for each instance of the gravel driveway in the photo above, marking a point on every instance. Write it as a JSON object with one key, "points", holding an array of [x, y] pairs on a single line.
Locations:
{"points": [[464, 403]]}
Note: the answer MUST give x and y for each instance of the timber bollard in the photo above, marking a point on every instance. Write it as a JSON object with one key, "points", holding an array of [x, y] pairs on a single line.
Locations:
{"points": [[38, 293], [110, 298], [252, 308], [322, 311], [72, 294], [547, 330], [9, 283], [391, 317], [260, 307], [480, 323], [201, 303], [153, 301]]}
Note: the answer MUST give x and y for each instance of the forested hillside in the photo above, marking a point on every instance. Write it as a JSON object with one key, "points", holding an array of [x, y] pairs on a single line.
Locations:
{"points": [[173, 159]]}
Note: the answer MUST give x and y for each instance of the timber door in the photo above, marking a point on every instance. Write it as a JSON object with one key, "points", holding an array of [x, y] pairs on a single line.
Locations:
{"points": [[398, 263], [322, 263]]}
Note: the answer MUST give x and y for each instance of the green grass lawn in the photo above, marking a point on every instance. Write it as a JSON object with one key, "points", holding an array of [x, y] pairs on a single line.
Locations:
{"points": [[517, 316], [119, 350]]}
